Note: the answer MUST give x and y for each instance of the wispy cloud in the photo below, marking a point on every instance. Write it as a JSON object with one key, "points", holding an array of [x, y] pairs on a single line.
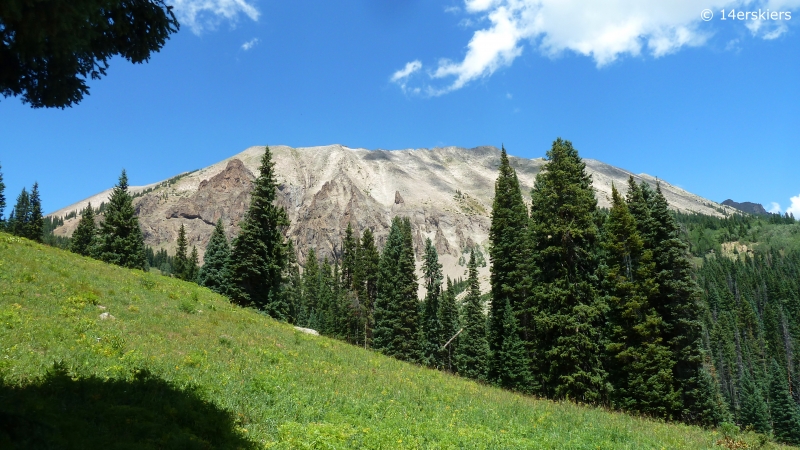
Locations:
{"points": [[774, 208], [206, 15], [250, 44], [401, 76], [603, 31]]}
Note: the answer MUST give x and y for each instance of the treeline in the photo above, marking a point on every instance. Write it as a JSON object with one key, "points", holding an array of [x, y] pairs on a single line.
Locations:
{"points": [[752, 332]]}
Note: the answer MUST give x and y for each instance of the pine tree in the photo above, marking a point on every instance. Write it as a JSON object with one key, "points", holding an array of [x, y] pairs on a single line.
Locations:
{"points": [[677, 304], [181, 265], [784, 411], [214, 273], [349, 257], [2, 200], [396, 306], [193, 268], [21, 215], [120, 239], [35, 228], [311, 281], [753, 412], [566, 309], [472, 352], [449, 321], [84, 237], [507, 253], [639, 365], [258, 254], [365, 280], [431, 324], [513, 371], [293, 285]]}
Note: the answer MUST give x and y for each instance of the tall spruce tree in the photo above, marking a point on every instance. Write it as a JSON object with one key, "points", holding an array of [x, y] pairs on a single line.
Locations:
{"points": [[472, 352], [507, 253], [396, 306], [784, 411], [214, 273], [85, 235], [513, 371], [566, 310], [180, 265], [449, 321], [259, 253], [2, 200], [640, 365], [35, 228], [309, 314], [194, 266], [20, 215], [677, 304], [293, 285], [349, 257], [120, 239], [753, 408], [365, 280], [431, 323]]}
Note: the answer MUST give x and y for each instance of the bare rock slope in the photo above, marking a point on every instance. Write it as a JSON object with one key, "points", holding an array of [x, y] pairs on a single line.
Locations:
{"points": [[446, 192]]}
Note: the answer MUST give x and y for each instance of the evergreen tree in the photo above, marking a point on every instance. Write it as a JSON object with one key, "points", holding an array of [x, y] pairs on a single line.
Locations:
{"points": [[181, 265], [640, 365], [448, 320], [365, 280], [2, 200], [193, 268], [396, 306], [507, 253], [21, 215], [349, 257], [513, 370], [432, 339], [566, 309], [293, 285], [214, 273], [35, 228], [753, 412], [677, 304], [311, 282], [259, 253], [83, 239], [120, 239], [784, 411], [472, 351]]}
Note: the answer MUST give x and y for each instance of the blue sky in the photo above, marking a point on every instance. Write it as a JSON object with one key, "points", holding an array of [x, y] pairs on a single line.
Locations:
{"points": [[646, 85]]}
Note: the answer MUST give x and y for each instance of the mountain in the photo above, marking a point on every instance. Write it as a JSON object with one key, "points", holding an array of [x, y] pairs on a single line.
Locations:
{"points": [[748, 207], [446, 192]]}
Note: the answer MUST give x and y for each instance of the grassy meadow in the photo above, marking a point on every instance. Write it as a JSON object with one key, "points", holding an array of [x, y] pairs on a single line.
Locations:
{"points": [[95, 356]]}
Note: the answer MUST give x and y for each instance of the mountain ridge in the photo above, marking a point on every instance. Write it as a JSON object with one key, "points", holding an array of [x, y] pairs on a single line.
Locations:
{"points": [[447, 193]]}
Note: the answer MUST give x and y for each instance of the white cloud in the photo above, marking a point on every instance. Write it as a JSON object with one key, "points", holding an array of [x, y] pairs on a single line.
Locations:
{"points": [[604, 31], [205, 15], [774, 208], [401, 76], [794, 208], [250, 44]]}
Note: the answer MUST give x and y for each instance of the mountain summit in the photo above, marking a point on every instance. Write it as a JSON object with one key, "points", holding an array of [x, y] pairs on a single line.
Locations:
{"points": [[446, 192]]}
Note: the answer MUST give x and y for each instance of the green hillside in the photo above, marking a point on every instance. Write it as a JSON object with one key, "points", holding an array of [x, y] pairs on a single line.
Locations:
{"points": [[180, 367]]}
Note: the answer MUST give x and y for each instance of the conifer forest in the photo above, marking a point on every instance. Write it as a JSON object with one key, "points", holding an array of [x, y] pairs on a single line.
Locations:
{"points": [[684, 318]]}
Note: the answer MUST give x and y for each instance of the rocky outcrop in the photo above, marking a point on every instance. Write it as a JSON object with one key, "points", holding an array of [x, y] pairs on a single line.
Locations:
{"points": [[748, 207]]}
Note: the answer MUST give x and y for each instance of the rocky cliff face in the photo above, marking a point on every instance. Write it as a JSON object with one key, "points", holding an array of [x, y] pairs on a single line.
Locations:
{"points": [[748, 207], [446, 192]]}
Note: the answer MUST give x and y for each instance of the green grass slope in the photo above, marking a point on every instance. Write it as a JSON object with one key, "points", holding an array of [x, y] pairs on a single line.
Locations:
{"points": [[180, 367]]}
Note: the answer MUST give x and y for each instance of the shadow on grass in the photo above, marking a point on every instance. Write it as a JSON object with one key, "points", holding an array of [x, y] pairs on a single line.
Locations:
{"points": [[57, 412]]}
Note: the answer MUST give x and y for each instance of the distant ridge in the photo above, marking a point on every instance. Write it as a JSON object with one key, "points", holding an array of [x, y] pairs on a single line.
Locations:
{"points": [[748, 207]]}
